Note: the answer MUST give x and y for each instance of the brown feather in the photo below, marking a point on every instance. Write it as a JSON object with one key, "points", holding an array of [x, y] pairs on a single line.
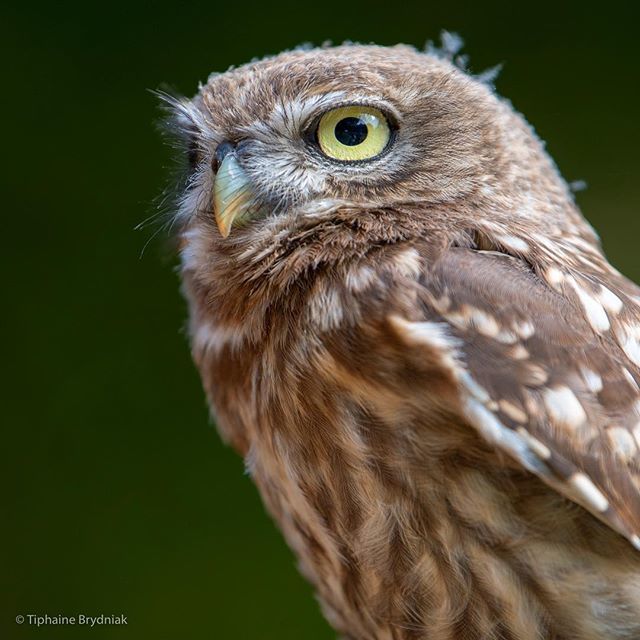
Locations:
{"points": [[426, 360]]}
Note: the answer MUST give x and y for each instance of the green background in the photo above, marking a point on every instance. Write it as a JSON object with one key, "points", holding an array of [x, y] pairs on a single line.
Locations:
{"points": [[120, 498]]}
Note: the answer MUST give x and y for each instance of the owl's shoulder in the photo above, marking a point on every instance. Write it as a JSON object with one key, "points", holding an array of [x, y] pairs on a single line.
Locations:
{"points": [[528, 365]]}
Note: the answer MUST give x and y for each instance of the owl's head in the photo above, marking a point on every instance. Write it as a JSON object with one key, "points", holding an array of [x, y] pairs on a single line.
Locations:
{"points": [[288, 141]]}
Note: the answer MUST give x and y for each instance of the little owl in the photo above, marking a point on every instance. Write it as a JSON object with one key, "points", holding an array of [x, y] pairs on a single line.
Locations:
{"points": [[406, 327]]}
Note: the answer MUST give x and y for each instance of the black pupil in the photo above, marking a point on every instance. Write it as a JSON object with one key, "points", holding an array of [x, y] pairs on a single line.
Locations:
{"points": [[351, 131]]}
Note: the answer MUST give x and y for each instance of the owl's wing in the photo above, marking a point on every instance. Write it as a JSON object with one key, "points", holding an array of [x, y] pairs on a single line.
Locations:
{"points": [[529, 372]]}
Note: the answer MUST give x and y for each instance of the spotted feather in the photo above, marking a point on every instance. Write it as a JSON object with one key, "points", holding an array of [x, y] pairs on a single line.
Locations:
{"points": [[554, 395]]}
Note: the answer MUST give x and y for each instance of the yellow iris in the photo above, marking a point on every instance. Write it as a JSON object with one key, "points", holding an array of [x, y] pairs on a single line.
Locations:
{"points": [[353, 133]]}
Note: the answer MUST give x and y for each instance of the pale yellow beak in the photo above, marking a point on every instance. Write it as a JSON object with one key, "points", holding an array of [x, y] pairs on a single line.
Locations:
{"points": [[233, 198]]}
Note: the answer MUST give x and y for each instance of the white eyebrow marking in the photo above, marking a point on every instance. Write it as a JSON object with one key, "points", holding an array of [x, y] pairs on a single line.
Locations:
{"points": [[289, 117]]}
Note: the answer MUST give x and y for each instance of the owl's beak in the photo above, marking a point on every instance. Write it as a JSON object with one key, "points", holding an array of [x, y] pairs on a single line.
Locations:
{"points": [[233, 198]]}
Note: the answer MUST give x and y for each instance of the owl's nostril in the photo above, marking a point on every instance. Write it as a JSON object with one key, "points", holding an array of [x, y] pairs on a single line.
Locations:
{"points": [[223, 150]]}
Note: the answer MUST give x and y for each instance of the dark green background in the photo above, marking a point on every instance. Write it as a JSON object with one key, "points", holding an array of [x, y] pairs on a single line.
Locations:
{"points": [[120, 496]]}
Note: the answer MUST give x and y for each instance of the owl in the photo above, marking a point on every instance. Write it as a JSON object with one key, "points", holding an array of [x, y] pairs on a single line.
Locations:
{"points": [[407, 329]]}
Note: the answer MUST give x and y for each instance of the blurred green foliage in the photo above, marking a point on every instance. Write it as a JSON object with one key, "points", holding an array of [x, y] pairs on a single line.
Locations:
{"points": [[120, 496]]}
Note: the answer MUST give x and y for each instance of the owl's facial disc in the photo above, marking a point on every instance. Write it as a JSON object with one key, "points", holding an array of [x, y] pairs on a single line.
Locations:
{"points": [[233, 196]]}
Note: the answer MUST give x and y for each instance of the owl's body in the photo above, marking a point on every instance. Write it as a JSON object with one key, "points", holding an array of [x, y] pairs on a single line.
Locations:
{"points": [[426, 361]]}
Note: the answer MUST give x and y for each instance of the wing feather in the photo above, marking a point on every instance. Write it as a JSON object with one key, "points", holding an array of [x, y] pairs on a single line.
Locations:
{"points": [[537, 375]]}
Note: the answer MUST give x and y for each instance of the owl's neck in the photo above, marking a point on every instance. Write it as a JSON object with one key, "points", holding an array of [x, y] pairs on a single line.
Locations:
{"points": [[272, 270]]}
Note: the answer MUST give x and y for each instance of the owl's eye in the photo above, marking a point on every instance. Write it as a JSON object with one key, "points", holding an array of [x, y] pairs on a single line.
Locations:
{"points": [[353, 133]]}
